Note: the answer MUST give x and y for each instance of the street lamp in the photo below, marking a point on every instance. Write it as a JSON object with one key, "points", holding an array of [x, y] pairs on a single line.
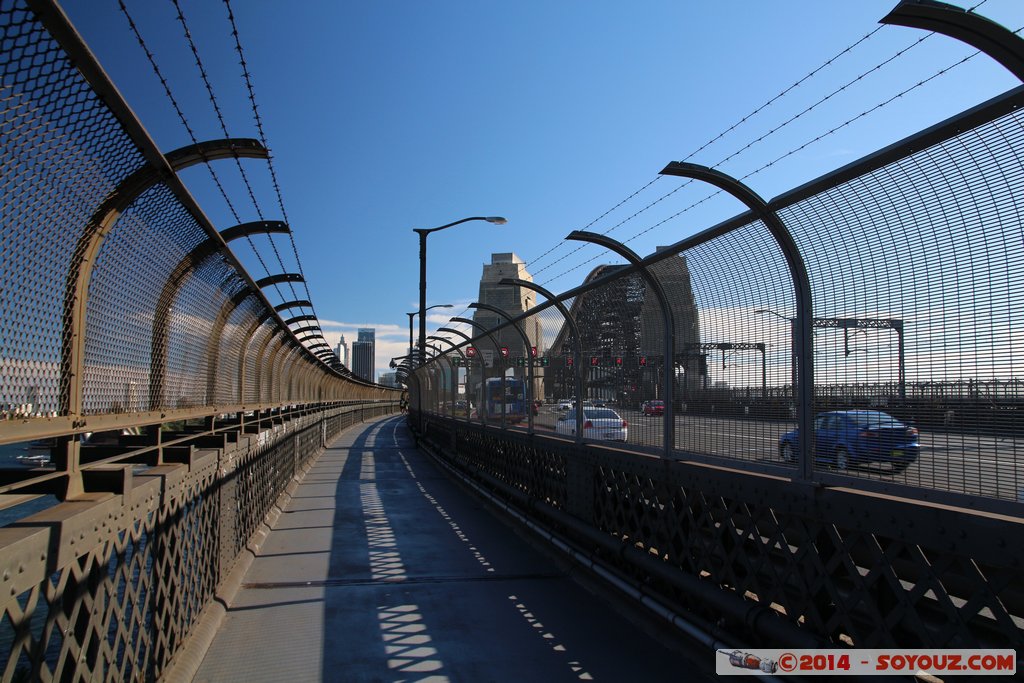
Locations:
{"points": [[417, 313], [792, 344], [423, 232]]}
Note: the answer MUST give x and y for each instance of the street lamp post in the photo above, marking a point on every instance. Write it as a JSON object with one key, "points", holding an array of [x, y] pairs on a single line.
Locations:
{"points": [[414, 313], [792, 345], [423, 232]]}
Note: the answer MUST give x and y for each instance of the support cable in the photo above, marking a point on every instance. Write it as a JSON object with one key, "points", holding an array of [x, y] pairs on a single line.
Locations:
{"points": [[224, 128], [764, 167], [263, 139], [185, 123], [765, 105]]}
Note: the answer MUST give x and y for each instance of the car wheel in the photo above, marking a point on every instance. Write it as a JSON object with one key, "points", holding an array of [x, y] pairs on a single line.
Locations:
{"points": [[898, 467], [787, 453], [842, 459]]}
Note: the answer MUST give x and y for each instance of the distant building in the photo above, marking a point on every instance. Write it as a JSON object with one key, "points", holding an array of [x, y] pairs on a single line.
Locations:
{"points": [[363, 352], [514, 301], [388, 379], [341, 351]]}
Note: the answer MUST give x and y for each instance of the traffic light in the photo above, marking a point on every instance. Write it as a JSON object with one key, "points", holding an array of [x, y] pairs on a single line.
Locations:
{"points": [[569, 361], [520, 362], [595, 361], [643, 361], [504, 352], [533, 351], [544, 361], [471, 352], [618, 361]]}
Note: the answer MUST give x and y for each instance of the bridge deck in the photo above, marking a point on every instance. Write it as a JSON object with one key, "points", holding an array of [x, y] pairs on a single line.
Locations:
{"points": [[382, 569]]}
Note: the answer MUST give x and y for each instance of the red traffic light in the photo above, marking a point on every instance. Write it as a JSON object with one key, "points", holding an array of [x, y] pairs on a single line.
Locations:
{"points": [[618, 361], [595, 361], [471, 352], [643, 361], [504, 352], [533, 351]]}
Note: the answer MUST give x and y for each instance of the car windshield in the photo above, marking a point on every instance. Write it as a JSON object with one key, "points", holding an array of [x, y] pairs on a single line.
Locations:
{"points": [[656, 403], [873, 419], [601, 414]]}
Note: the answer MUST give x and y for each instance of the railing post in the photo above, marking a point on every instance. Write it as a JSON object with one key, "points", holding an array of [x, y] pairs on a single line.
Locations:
{"points": [[577, 345], [667, 320], [529, 366]]}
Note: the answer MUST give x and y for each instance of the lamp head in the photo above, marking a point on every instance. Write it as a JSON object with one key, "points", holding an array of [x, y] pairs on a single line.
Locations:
{"points": [[497, 220]]}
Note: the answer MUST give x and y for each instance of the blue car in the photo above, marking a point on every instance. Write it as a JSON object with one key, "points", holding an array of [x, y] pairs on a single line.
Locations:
{"points": [[848, 437]]}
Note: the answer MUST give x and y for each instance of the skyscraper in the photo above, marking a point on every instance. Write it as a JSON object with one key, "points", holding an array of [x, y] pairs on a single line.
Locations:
{"points": [[341, 351], [514, 301], [363, 351]]}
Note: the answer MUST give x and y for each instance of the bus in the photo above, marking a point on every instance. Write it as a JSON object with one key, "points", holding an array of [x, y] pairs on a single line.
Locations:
{"points": [[514, 399]]}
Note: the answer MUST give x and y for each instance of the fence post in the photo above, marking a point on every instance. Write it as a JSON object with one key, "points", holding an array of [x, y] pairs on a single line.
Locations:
{"points": [[667, 320], [802, 324]]}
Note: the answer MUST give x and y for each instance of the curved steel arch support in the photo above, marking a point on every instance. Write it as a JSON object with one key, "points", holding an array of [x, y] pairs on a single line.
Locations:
{"points": [[216, 150], [803, 344], [280, 278], [298, 303], [213, 344], [299, 319], [483, 370], [243, 357], [529, 359], [162, 318], [254, 228], [998, 42], [93, 235], [577, 351], [309, 328], [455, 372], [483, 377], [668, 320]]}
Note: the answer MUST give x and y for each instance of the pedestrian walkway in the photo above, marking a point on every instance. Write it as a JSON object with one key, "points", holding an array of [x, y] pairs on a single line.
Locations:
{"points": [[382, 569]]}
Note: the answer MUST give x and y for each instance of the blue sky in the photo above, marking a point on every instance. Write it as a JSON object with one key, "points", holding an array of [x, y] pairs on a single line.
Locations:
{"points": [[385, 116]]}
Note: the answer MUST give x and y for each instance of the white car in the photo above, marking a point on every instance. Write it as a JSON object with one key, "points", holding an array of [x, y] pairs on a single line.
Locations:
{"points": [[564, 405], [598, 423]]}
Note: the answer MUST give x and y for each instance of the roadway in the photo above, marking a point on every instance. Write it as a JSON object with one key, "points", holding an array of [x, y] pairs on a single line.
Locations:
{"points": [[381, 568], [977, 464]]}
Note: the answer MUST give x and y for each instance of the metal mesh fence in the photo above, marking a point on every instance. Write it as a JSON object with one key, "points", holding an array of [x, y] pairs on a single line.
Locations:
{"points": [[915, 260], [117, 297], [61, 153], [925, 256]]}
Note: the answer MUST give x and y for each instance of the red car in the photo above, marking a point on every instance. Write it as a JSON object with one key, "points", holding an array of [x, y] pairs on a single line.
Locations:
{"points": [[654, 408]]}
